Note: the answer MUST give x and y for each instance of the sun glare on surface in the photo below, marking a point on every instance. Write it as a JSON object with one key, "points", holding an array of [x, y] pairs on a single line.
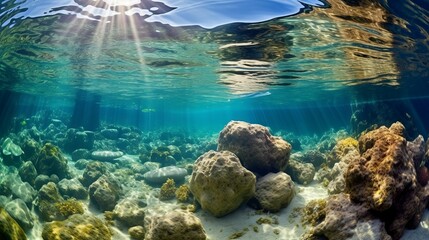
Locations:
{"points": [[120, 2]]}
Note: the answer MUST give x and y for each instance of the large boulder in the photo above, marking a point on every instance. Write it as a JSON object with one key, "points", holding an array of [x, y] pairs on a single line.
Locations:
{"points": [[78, 227], [9, 228], [105, 192], [177, 225], [384, 177], [51, 161], [220, 183], [256, 148], [274, 191]]}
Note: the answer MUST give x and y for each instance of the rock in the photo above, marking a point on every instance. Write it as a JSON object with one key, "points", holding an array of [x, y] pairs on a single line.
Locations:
{"points": [[76, 139], [166, 155], [144, 168], [31, 150], [130, 212], [81, 163], [416, 150], [44, 179], [81, 153], [256, 148], [385, 178], [51, 161], [48, 197], [77, 227], [28, 172], [159, 176], [220, 183], [341, 148], [20, 212], [10, 148], [106, 156], [110, 133], [137, 232], [92, 172], [347, 220], [274, 191], [24, 191], [302, 173], [337, 182], [176, 225], [9, 228], [72, 188], [11, 153], [105, 192], [314, 157]]}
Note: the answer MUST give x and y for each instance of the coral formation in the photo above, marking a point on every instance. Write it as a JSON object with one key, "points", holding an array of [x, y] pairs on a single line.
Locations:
{"points": [[69, 207], [168, 190], [183, 193], [385, 179]]}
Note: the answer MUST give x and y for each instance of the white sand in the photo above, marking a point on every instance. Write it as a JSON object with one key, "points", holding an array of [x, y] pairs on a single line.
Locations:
{"points": [[245, 217]]}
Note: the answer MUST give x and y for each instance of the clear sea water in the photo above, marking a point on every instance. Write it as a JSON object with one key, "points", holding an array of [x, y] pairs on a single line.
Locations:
{"points": [[297, 66]]}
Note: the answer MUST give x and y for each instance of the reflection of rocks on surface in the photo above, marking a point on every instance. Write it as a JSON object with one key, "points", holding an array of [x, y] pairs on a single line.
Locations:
{"points": [[256, 148], [220, 183]]}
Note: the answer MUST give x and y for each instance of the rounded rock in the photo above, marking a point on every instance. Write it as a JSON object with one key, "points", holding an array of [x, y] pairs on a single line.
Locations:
{"points": [[257, 149], [220, 183]]}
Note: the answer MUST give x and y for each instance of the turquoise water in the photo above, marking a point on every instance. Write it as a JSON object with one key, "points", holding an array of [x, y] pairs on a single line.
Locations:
{"points": [[310, 70], [229, 56]]}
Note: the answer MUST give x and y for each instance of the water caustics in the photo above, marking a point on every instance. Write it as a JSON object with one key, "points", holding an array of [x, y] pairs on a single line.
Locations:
{"points": [[212, 51]]}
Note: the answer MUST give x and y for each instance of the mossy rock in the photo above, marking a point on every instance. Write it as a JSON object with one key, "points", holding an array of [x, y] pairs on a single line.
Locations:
{"points": [[77, 227], [51, 161], [9, 228], [168, 190]]}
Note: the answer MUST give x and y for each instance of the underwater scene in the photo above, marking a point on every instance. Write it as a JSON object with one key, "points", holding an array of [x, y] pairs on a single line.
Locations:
{"points": [[216, 119]]}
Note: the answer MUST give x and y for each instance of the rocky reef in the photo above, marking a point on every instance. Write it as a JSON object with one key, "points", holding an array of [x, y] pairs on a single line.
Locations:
{"points": [[121, 183]]}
